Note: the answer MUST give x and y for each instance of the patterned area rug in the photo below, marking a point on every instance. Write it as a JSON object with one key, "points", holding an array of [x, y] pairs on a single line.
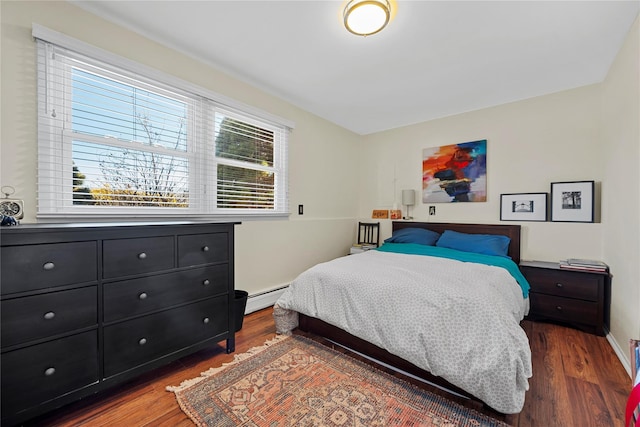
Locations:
{"points": [[295, 381]]}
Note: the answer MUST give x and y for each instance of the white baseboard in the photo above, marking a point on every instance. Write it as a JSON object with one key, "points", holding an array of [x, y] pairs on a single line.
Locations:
{"points": [[622, 355], [263, 299]]}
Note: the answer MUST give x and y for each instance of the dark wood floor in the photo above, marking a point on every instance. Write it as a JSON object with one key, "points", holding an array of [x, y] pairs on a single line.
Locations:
{"points": [[577, 381]]}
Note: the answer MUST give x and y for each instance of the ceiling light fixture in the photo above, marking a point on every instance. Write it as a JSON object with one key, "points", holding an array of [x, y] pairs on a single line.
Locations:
{"points": [[366, 17]]}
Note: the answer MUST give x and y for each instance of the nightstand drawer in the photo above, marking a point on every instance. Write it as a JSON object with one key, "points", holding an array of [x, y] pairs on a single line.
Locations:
{"points": [[568, 284], [31, 267], [564, 309], [125, 257], [41, 316]]}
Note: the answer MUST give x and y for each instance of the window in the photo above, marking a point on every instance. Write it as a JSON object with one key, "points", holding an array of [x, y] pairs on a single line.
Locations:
{"points": [[114, 141]]}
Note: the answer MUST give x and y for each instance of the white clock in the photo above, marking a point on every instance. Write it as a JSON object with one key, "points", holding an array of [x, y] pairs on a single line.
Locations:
{"points": [[11, 207]]}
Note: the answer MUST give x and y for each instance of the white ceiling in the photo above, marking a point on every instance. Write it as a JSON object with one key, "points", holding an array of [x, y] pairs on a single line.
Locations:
{"points": [[435, 58]]}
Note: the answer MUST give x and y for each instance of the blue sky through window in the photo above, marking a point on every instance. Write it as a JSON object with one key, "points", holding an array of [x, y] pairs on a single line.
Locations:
{"points": [[140, 120]]}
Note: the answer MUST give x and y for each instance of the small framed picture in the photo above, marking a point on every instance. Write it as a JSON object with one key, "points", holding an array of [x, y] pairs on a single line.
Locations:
{"points": [[523, 207], [380, 214], [572, 201]]}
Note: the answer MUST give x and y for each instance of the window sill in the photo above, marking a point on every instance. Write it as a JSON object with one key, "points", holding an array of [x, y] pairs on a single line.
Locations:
{"points": [[71, 217]]}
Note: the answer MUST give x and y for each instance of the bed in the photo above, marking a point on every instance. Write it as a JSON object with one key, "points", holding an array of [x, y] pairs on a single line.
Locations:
{"points": [[432, 310]]}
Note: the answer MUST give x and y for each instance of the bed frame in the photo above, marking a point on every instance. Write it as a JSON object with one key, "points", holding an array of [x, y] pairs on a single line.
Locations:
{"points": [[339, 336]]}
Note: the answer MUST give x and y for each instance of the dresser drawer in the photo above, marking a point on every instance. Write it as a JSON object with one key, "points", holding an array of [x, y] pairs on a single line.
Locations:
{"points": [[42, 372], [125, 257], [31, 267], [135, 342], [138, 296], [29, 318], [197, 249], [564, 309], [569, 284]]}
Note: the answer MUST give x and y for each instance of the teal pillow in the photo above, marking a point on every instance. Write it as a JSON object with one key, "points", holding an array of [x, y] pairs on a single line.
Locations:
{"points": [[414, 235], [487, 244]]}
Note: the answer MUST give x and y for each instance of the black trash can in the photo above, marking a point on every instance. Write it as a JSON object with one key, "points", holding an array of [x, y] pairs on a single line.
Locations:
{"points": [[239, 306]]}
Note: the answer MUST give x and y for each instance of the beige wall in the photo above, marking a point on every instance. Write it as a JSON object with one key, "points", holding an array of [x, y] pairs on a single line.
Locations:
{"points": [[621, 187], [322, 156], [530, 144]]}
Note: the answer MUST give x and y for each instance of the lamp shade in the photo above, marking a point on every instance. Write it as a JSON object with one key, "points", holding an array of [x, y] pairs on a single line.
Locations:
{"points": [[408, 197], [366, 17]]}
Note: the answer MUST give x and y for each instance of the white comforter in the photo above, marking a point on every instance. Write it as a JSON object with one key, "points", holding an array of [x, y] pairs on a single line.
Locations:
{"points": [[458, 320]]}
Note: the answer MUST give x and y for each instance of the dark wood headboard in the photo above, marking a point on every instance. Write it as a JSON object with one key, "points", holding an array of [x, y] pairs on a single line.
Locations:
{"points": [[512, 231]]}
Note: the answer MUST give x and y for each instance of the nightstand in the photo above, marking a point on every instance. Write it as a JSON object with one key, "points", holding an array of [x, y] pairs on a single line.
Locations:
{"points": [[580, 299]]}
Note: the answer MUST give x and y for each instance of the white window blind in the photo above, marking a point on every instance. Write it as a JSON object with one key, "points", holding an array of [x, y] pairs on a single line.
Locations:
{"points": [[114, 142]]}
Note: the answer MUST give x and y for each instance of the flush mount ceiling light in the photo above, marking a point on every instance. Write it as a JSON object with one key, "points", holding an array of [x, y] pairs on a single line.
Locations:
{"points": [[366, 17]]}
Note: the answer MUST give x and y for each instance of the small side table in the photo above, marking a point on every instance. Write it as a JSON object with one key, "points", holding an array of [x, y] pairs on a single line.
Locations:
{"points": [[580, 299]]}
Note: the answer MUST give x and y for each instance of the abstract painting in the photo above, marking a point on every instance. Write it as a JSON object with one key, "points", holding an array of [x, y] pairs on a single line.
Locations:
{"points": [[455, 173]]}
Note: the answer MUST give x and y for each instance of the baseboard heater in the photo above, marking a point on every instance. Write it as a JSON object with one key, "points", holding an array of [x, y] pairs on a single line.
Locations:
{"points": [[264, 299]]}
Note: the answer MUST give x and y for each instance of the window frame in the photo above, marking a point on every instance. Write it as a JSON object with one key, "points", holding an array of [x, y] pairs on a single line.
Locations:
{"points": [[200, 152]]}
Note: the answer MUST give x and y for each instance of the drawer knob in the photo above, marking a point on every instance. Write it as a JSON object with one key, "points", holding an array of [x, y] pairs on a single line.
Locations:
{"points": [[206, 282], [49, 371], [142, 255], [142, 341], [559, 308], [205, 249], [559, 285], [48, 266], [143, 295], [49, 315], [205, 320]]}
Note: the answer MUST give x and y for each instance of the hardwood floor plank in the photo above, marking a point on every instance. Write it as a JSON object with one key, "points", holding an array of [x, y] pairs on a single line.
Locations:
{"points": [[546, 401], [587, 404], [88, 410], [615, 381], [175, 418], [576, 359], [131, 406], [573, 373], [135, 410]]}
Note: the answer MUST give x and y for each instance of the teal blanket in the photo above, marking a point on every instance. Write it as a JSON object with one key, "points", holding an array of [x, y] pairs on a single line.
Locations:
{"points": [[497, 261]]}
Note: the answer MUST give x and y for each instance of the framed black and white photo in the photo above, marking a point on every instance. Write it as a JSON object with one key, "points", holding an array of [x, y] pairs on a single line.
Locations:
{"points": [[572, 201], [523, 207]]}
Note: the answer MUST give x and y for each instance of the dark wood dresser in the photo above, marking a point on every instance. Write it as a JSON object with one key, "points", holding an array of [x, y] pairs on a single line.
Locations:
{"points": [[85, 307], [580, 299]]}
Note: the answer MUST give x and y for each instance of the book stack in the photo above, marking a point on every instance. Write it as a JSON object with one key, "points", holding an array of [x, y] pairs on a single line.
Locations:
{"points": [[365, 246], [584, 265], [361, 247], [635, 361]]}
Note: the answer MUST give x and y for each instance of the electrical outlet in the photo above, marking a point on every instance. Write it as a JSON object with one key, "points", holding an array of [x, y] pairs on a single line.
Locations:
{"points": [[300, 210], [432, 210]]}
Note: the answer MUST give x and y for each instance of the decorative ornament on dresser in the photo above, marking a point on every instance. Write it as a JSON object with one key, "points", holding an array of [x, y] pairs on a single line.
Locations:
{"points": [[11, 207]]}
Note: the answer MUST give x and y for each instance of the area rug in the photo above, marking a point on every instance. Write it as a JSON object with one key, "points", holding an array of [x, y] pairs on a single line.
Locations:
{"points": [[295, 381]]}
